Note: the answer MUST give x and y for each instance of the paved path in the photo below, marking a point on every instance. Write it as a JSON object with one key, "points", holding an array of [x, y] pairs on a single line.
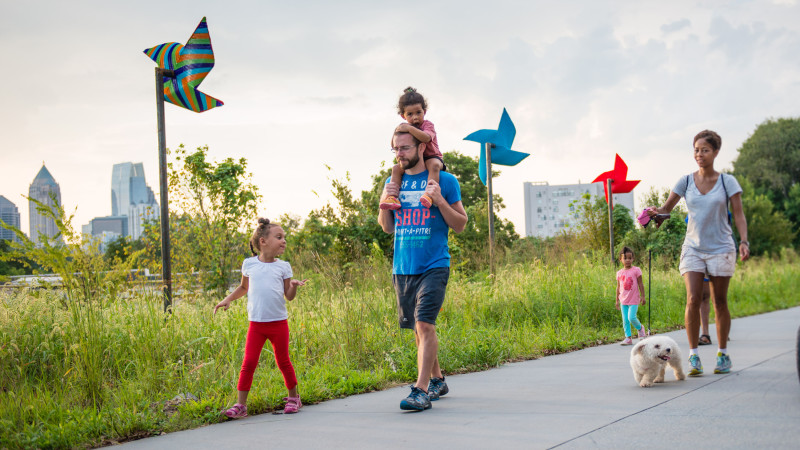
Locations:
{"points": [[583, 399]]}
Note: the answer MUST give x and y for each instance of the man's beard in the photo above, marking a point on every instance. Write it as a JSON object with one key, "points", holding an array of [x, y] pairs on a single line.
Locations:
{"points": [[410, 162]]}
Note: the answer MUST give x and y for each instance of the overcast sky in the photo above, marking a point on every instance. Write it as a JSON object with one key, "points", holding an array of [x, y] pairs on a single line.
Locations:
{"points": [[313, 84]]}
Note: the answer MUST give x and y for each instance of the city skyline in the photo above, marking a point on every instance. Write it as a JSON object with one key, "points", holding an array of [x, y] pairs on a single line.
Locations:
{"points": [[310, 89], [128, 187]]}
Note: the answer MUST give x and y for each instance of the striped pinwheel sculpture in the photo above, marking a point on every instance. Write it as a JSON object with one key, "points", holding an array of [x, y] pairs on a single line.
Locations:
{"points": [[190, 63]]}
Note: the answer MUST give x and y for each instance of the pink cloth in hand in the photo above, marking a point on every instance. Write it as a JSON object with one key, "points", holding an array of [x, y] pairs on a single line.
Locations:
{"points": [[644, 218]]}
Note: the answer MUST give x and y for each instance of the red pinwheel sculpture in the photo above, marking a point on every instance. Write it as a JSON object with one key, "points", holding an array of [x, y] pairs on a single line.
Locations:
{"points": [[191, 63], [619, 182]]}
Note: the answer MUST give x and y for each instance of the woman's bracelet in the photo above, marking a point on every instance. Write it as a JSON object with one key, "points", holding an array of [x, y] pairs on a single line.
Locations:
{"points": [[745, 243]]}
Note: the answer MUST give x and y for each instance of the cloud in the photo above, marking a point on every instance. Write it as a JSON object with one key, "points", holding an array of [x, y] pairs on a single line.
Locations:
{"points": [[676, 26], [581, 81]]}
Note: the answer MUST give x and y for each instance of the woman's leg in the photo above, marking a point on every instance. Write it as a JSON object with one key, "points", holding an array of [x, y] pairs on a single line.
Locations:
{"points": [[722, 315], [694, 295], [626, 324], [705, 307]]}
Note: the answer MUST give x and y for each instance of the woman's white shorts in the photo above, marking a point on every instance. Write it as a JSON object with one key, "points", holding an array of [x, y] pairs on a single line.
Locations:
{"points": [[711, 264]]}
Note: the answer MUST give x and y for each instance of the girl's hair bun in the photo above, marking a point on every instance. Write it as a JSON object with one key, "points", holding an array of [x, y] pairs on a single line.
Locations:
{"points": [[410, 97], [263, 221]]}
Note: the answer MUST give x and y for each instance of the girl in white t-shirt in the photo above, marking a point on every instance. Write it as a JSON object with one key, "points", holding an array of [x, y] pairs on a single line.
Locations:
{"points": [[267, 281], [630, 294]]}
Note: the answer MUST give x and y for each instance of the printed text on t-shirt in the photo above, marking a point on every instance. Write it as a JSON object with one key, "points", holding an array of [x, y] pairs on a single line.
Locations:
{"points": [[411, 217]]}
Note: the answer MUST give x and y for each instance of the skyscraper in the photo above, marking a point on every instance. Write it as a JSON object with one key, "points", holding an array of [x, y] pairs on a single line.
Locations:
{"points": [[10, 215], [44, 188], [132, 197]]}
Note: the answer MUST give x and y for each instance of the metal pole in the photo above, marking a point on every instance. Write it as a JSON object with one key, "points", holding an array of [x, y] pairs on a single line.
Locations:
{"points": [[611, 220], [489, 146], [166, 268], [649, 283]]}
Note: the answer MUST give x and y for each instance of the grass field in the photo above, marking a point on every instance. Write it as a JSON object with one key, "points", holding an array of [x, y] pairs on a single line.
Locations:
{"points": [[88, 374]]}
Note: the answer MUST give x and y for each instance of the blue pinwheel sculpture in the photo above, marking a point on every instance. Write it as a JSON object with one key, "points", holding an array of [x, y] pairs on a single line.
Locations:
{"points": [[191, 63], [502, 138]]}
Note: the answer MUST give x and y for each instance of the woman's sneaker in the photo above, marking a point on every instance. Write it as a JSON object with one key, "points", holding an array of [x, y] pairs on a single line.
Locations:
{"points": [[437, 388], [627, 341], [695, 366], [723, 363], [418, 400]]}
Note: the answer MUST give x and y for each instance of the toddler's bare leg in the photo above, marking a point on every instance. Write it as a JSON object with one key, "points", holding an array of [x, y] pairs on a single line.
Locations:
{"points": [[391, 202], [397, 174], [434, 166]]}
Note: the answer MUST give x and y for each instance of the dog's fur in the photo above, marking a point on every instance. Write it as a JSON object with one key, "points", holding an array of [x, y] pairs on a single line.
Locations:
{"points": [[650, 357]]}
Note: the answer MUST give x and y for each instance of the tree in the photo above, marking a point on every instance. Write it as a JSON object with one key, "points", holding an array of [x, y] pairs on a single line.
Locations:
{"points": [[11, 267], [768, 229], [593, 227], [469, 248], [791, 208], [84, 274], [349, 230], [122, 248], [770, 159], [216, 207], [665, 241]]}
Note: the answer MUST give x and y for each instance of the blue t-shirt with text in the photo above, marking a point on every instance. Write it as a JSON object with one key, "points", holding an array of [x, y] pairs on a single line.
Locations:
{"points": [[420, 234]]}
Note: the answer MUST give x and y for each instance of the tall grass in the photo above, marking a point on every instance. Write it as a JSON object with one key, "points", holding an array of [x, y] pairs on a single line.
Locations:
{"points": [[78, 373]]}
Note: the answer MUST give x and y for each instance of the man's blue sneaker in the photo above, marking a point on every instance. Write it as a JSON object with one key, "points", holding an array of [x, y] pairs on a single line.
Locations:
{"points": [[695, 366], [418, 400], [437, 388], [723, 363]]}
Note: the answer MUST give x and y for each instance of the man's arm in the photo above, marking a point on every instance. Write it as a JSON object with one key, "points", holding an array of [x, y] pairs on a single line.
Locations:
{"points": [[386, 217], [454, 214]]}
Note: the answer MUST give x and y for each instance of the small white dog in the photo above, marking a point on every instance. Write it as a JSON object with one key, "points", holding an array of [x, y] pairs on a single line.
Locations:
{"points": [[649, 359]]}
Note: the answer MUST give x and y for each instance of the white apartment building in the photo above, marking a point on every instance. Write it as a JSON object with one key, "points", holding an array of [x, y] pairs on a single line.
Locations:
{"points": [[550, 210]]}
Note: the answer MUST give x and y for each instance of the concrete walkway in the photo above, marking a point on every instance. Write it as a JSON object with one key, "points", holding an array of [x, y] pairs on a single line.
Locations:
{"points": [[583, 399]]}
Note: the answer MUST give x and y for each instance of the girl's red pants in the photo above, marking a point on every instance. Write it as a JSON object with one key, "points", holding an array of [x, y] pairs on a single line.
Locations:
{"points": [[257, 335]]}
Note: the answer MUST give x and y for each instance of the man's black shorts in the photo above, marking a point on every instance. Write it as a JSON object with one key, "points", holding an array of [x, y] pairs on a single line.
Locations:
{"points": [[420, 297]]}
